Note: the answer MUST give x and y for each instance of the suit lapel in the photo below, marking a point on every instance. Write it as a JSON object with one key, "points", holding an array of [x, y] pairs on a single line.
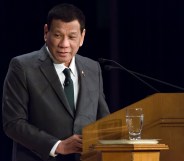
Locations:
{"points": [[83, 100], [48, 70]]}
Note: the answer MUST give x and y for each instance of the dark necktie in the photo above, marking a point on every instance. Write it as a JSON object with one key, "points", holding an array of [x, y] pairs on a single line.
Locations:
{"points": [[68, 88]]}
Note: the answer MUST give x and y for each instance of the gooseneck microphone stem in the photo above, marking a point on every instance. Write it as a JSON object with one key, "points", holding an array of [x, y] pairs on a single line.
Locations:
{"points": [[136, 74], [144, 82], [109, 67]]}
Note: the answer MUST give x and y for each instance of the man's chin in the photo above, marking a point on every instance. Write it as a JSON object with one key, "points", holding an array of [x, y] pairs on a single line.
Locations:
{"points": [[64, 61]]}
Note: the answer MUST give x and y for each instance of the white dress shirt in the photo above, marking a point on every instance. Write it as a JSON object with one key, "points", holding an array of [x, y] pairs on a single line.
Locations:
{"points": [[74, 76]]}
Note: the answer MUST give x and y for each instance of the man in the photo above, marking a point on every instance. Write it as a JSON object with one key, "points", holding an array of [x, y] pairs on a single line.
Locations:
{"points": [[37, 113]]}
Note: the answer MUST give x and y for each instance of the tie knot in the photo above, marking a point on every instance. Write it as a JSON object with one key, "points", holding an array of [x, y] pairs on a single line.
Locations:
{"points": [[66, 72]]}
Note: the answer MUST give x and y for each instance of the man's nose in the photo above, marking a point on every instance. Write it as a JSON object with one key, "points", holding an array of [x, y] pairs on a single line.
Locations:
{"points": [[64, 42]]}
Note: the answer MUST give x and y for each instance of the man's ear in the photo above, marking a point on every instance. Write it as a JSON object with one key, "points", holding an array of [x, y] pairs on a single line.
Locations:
{"points": [[82, 37], [45, 32]]}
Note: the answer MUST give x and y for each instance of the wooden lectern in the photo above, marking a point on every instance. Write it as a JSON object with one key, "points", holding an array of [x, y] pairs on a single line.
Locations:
{"points": [[163, 119], [124, 152]]}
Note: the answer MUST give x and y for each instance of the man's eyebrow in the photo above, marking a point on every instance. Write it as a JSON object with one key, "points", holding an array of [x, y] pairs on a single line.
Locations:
{"points": [[73, 33]]}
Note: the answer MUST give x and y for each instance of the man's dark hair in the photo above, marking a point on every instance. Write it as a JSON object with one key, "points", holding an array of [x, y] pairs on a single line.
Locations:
{"points": [[67, 13]]}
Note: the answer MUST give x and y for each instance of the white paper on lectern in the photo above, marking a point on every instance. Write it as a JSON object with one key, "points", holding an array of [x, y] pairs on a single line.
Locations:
{"points": [[126, 141]]}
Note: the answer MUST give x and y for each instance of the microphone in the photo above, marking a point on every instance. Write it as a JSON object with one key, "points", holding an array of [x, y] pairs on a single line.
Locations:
{"points": [[102, 60], [66, 83], [136, 74]]}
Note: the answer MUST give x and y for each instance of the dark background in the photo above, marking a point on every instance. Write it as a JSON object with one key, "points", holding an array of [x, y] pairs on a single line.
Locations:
{"points": [[145, 36]]}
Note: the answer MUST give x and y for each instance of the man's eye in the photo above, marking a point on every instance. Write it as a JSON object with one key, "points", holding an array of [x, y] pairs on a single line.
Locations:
{"points": [[57, 35], [72, 37]]}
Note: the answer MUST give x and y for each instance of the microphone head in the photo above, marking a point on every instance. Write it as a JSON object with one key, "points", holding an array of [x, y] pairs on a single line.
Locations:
{"points": [[66, 83], [110, 67], [101, 60]]}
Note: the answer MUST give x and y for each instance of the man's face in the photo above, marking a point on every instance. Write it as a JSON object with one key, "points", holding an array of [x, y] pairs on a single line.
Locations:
{"points": [[63, 40]]}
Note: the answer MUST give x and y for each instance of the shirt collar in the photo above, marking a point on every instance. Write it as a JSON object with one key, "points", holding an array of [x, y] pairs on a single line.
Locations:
{"points": [[73, 66]]}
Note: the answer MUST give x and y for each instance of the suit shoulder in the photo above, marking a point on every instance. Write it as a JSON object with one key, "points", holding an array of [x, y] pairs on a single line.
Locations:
{"points": [[86, 60], [28, 58]]}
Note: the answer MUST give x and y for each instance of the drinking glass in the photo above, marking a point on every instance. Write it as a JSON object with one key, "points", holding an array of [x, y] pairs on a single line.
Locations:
{"points": [[134, 122]]}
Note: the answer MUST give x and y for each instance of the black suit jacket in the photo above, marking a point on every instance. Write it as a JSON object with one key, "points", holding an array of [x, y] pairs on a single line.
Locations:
{"points": [[36, 113]]}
